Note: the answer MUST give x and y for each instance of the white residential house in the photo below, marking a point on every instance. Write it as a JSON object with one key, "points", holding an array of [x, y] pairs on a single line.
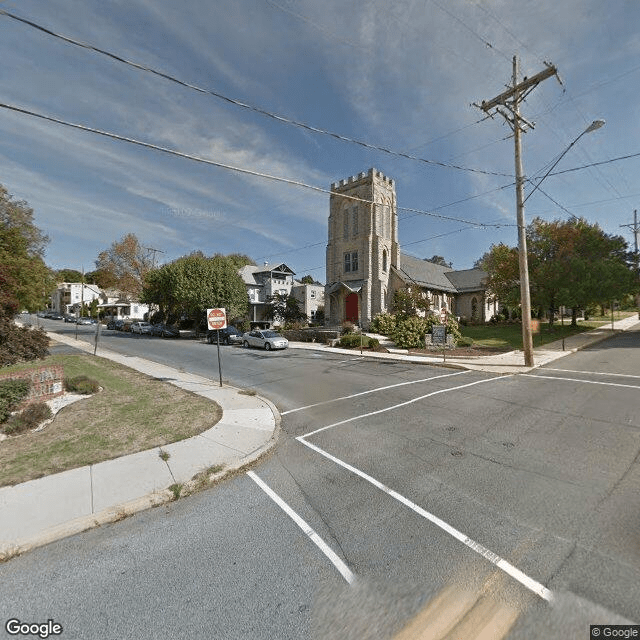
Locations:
{"points": [[310, 297], [68, 297], [266, 281], [116, 306], [262, 283]]}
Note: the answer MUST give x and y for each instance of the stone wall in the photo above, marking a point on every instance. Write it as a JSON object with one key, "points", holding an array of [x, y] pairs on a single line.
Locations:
{"points": [[321, 336], [46, 382]]}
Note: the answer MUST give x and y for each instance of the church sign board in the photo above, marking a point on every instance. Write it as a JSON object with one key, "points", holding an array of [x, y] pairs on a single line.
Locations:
{"points": [[439, 334]]}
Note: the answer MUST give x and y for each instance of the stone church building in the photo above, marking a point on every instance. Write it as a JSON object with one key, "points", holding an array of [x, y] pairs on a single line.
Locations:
{"points": [[365, 265]]}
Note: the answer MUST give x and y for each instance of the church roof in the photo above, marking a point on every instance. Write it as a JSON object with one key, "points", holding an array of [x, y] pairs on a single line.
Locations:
{"points": [[426, 274], [468, 279], [435, 276]]}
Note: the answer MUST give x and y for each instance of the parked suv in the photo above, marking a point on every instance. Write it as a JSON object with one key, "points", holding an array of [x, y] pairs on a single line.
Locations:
{"points": [[229, 335]]}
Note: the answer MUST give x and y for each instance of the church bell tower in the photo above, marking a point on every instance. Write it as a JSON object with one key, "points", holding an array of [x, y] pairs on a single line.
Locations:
{"points": [[362, 248]]}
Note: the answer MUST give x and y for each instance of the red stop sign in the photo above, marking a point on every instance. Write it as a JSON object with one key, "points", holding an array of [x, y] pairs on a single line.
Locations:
{"points": [[216, 318]]}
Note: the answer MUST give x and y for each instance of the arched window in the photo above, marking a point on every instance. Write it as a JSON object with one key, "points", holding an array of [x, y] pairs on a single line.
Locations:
{"points": [[384, 259], [474, 308], [345, 230]]}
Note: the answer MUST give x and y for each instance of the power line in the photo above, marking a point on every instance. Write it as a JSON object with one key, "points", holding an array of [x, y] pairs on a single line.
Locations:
{"points": [[596, 164], [468, 28], [187, 156], [244, 105]]}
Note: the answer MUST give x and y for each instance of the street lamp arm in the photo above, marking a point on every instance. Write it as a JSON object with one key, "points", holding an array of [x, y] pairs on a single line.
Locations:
{"points": [[596, 124]]}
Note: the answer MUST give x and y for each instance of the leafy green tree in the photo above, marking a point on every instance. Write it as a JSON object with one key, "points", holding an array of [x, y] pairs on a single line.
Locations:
{"points": [[285, 308], [438, 260], [238, 260], [188, 286], [308, 279], [410, 300], [501, 264], [70, 275], [571, 263], [17, 214], [25, 280]]}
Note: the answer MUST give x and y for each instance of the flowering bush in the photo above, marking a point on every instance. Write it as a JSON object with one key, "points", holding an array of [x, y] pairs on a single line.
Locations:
{"points": [[384, 324]]}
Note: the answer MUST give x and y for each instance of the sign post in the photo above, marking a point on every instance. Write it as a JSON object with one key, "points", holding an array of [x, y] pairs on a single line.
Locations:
{"points": [[97, 336], [443, 321], [216, 320]]}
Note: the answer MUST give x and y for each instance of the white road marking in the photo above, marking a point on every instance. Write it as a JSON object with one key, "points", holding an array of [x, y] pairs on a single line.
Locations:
{"points": [[362, 393], [594, 373], [604, 384], [344, 570], [531, 584], [403, 404]]}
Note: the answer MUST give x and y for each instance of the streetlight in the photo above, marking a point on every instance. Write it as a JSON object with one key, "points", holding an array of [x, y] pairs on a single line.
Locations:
{"points": [[525, 295], [594, 126]]}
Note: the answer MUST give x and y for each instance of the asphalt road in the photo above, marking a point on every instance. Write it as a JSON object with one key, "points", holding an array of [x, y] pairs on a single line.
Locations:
{"points": [[460, 502]]}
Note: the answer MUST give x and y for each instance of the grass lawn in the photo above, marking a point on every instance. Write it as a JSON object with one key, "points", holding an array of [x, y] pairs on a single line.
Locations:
{"points": [[509, 336], [133, 412]]}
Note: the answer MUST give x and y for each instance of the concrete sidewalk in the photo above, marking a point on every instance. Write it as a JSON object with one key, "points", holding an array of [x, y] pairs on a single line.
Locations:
{"points": [[510, 362], [39, 511]]}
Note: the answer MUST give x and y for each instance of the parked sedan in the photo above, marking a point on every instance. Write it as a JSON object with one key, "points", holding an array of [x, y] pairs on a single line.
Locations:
{"points": [[84, 321], [264, 338], [140, 327], [165, 331], [229, 335]]}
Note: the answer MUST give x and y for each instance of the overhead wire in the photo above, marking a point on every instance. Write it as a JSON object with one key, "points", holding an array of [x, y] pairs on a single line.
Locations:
{"points": [[221, 165], [243, 105], [468, 28]]}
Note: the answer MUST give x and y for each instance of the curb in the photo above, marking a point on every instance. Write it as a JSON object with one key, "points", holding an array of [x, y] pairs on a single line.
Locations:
{"points": [[119, 511]]}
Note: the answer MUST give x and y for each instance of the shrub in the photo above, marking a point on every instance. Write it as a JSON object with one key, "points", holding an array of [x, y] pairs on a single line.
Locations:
{"points": [[12, 392], [21, 344], [410, 332], [353, 340], [81, 384], [348, 327], [464, 342], [384, 324], [29, 418]]}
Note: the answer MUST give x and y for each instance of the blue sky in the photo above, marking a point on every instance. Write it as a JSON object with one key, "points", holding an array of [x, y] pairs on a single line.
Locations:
{"points": [[400, 74]]}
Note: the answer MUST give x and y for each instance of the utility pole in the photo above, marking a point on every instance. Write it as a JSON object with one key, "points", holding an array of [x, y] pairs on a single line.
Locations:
{"points": [[511, 100], [154, 251], [636, 230], [153, 266]]}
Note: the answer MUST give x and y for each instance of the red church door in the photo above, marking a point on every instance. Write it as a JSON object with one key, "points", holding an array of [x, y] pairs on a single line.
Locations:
{"points": [[351, 308]]}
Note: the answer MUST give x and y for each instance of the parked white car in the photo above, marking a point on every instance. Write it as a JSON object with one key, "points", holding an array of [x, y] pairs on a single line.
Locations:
{"points": [[140, 327], [264, 339]]}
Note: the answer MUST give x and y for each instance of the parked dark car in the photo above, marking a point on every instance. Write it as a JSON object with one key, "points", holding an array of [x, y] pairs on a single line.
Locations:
{"points": [[69, 318], [165, 331], [118, 324], [229, 335]]}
